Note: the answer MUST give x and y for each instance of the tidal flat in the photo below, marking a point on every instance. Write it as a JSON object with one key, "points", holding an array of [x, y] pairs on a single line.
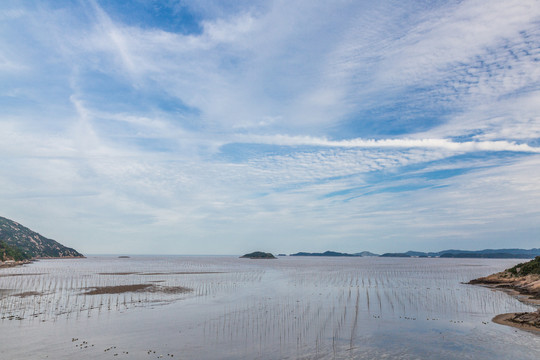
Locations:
{"points": [[223, 307]]}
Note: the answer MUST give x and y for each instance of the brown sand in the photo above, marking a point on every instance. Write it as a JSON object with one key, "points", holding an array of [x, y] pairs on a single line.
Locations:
{"points": [[120, 289]]}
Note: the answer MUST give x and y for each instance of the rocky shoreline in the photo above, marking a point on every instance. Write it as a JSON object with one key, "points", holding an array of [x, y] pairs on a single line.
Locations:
{"points": [[524, 284], [11, 263], [524, 321]]}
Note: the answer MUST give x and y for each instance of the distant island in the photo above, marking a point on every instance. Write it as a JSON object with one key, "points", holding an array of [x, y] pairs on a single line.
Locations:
{"points": [[486, 254], [524, 279], [335, 253], [258, 255], [18, 244], [326, 253]]}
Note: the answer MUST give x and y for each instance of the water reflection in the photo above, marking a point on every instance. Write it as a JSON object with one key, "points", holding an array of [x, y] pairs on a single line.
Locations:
{"points": [[240, 308]]}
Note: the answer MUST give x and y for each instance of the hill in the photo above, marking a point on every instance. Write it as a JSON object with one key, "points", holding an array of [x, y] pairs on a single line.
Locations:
{"points": [[30, 243], [486, 253]]}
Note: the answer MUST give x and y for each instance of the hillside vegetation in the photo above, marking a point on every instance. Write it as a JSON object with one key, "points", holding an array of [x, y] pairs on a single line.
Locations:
{"points": [[11, 253], [21, 241], [529, 268]]}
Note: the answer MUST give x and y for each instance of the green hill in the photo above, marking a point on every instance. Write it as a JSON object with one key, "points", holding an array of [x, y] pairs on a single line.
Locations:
{"points": [[29, 243]]}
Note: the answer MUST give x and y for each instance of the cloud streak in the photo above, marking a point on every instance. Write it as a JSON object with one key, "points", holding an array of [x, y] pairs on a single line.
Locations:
{"points": [[465, 146]]}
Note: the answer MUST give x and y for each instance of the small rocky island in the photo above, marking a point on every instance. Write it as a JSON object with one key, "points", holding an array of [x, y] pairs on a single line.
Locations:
{"points": [[523, 279], [258, 255]]}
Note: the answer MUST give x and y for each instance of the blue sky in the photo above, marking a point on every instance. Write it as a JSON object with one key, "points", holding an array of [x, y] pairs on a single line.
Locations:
{"points": [[222, 127]]}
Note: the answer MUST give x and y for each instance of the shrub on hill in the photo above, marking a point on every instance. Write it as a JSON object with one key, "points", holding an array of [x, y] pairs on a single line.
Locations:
{"points": [[11, 253], [524, 269]]}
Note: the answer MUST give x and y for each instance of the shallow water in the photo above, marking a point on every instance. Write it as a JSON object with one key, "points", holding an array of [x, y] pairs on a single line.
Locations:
{"points": [[290, 308]]}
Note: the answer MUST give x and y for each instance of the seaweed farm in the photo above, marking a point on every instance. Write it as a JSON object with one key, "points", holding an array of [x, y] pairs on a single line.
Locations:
{"points": [[223, 307]]}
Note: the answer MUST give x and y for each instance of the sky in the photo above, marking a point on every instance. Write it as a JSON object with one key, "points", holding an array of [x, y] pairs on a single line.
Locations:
{"points": [[224, 127]]}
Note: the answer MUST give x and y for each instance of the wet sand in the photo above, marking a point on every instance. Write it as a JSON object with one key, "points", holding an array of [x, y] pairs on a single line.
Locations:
{"points": [[162, 273], [28, 293], [292, 309], [22, 274]]}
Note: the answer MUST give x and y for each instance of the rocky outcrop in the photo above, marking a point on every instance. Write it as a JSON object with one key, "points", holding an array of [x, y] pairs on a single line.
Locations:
{"points": [[529, 321], [523, 278]]}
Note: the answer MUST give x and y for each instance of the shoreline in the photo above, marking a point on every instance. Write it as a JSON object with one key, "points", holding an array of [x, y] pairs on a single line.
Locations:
{"points": [[58, 257], [525, 289], [11, 263]]}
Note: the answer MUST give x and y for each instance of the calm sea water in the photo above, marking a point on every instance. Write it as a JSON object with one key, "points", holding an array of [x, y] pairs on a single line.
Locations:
{"points": [[290, 308]]}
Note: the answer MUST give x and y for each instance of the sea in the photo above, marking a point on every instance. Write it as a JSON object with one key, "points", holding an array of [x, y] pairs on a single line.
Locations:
{"points": [[225, 307]]}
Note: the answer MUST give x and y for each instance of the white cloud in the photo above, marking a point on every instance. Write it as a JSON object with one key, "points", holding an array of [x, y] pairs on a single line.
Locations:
{"points": [[458, 34], [96, 144], [444, 144]]}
